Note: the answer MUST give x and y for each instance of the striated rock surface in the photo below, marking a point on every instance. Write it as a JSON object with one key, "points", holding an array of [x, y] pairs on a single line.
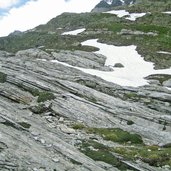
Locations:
{"points": [[82, 59], [40, 101]]}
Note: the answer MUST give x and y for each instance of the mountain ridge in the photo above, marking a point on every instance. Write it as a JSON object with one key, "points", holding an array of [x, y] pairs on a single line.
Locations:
{"points": [[133, 5]]}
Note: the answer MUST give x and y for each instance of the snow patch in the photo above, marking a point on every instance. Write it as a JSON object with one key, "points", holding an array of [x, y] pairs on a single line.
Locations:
{"points": [[168, 88], [109, 2], [134, 16], [135, 68], [122, 13], [122, 2], [119, 13], [74, 32], [163, 52], [167, 12], [132, 2]]}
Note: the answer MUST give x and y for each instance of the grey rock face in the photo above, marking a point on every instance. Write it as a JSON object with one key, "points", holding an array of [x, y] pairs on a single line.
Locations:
{"points": [[82, 59], [42, 138], [33, 53], [5, 54]]}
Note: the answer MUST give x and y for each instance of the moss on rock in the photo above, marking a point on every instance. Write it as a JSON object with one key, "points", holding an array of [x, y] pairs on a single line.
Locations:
{"points": [[3, 77]]}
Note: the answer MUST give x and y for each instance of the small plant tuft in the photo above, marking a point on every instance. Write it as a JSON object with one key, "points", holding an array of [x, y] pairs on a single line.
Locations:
{"points": [[24, 124], [129, 122], [78, 126], [3, 77]]}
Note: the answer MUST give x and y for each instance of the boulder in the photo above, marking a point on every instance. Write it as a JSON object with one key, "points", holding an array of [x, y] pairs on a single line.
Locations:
{"points": [[118, 65], [167, 83], [33, 53]]}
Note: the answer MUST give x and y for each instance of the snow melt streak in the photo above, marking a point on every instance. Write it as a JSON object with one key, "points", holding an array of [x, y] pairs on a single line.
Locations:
{"points": [[74, 32]]}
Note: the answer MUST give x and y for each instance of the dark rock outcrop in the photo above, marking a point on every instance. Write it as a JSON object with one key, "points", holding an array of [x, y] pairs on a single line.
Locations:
{"points": [[105, 5]]}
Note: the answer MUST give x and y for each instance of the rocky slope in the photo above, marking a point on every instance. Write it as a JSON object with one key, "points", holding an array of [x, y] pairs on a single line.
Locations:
{"points": [[54, 117], [42, 101]]}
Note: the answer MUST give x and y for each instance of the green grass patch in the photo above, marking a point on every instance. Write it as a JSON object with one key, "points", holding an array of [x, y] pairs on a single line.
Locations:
{"points": [[153, 155], [131, 95], [99, 152], [117, 135], [150, 28], [44, 96]]}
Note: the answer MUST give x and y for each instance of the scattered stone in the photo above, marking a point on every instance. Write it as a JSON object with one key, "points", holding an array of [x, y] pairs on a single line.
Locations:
{"points": [[39, 109], [49, 119], [61, 119], [36, 138], [167, 83], [52, 125], [42, 141], [131, 32], [67, 130], [56, 160], [48, 114], [119, 65], [35, 133], [48, 145]]}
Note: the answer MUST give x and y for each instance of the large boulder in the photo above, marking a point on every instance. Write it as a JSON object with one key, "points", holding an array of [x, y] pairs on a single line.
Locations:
{"points": [[167, 83], [33, 53]]}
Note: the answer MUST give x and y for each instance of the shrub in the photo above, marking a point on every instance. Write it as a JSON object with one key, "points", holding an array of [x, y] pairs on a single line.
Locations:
{"points": [[44, 96], [129, 122], [24, 124]]}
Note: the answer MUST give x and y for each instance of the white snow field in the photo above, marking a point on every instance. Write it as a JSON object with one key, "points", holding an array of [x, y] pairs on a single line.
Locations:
{"points": [[135, 67]]}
